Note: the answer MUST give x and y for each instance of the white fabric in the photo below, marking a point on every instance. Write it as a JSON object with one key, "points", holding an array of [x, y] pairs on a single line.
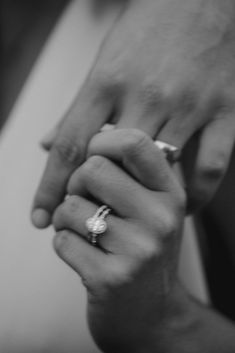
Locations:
{"points": [[42, 302]]}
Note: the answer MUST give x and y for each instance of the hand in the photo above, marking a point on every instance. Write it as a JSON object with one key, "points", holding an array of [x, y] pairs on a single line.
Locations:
{"points": [[130, 276], [167, 68]]}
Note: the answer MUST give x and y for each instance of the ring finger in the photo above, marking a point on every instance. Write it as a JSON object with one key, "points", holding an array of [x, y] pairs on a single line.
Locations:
{"points": [[120, 237]]}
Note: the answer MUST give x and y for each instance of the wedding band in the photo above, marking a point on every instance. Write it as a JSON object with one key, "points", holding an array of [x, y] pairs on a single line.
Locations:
{"points": [[96, 225], [172, 152]]}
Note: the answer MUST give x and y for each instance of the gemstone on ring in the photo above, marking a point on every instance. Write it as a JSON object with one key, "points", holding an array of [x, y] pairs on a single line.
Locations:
{"points": [[96, 224]]}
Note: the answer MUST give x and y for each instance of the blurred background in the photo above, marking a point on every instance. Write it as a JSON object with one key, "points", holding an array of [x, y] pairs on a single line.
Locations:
{"points": [[24, 27]]}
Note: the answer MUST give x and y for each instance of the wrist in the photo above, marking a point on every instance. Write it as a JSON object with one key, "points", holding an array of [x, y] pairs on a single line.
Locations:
{"points": [[165, 332], [192, 327], [179, 321]]}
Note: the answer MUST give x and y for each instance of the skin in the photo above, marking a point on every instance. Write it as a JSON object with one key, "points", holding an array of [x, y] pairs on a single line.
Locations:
{"points": [[167, 68], [134, 300]]}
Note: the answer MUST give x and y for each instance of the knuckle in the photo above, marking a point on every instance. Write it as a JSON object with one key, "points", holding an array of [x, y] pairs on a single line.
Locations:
{"points": [[72, 204], [188, 101], [118, 275], [93, 166], [135, 140], [146, 248], [108, 83], [60, 242], [223, 103], [63, 213], [215, 168], [94, 145], [170, 224], [56, 219], [70, 151], [151, 251], [166, 223], [151, 97]]}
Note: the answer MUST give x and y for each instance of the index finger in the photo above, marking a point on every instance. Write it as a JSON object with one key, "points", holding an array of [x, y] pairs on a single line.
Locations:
{"points": [[138, 154], [85, 118]]}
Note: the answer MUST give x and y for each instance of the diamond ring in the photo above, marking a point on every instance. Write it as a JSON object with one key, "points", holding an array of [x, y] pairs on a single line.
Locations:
{"points": [[96, 225]]}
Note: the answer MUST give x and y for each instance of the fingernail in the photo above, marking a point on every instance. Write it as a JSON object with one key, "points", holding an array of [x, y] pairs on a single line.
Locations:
{"points": [[41, 218]]}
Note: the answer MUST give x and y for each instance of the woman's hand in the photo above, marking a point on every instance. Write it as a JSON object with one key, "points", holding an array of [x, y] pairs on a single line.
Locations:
{"points": [[131, 274], [167, 68]]}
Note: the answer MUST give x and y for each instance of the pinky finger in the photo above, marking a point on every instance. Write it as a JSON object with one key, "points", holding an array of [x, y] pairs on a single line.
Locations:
{"points": [[213, 156]]}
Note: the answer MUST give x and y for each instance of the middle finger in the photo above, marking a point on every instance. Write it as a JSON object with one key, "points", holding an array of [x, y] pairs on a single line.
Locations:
{"points": [[100, 179]]}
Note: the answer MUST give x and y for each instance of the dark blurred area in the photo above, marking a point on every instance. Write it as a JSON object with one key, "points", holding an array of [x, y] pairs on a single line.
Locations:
{"points": [[24, 27], [218, 245]]}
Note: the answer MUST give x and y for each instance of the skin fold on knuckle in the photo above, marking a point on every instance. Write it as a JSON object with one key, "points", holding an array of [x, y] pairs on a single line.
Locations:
{"points": [[94, 168], [61, 243], [151, 252], [166, 225], [57, 218], [87, 174], [116, 276], [72, 205], [151, 98], [94, 145], [109, 83], [62, 215], [69, 150], [135, 141], [188, 101], [146, 248], [214, 169]]}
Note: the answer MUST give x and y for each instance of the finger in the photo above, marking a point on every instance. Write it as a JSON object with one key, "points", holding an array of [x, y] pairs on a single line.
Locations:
{"points": [[88, 261], [85, 118], [138, 154], [215, 148], [120, 236], [102, 180], [50, 137], [145, 110], [48, 140], [178, 131], [188, 117]]}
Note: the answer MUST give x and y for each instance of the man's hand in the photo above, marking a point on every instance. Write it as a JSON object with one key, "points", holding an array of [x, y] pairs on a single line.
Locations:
{"points": [[167, 68]]}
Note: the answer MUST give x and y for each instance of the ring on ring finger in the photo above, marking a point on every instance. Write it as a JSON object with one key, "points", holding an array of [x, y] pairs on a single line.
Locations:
{"points": [[96, 225], [171, 152]]}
